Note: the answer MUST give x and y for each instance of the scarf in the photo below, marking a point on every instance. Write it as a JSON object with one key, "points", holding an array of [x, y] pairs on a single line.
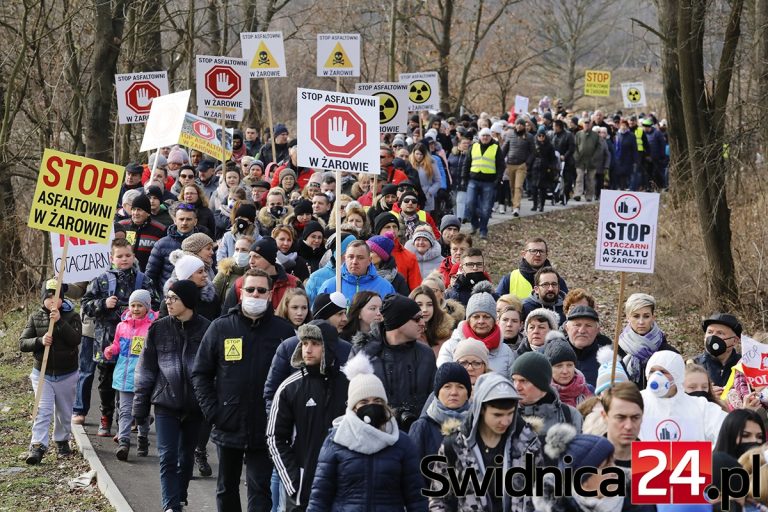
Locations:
{"points": [[639, 348], [491, 341], [358, 436], [575, 391], [440, 413]]}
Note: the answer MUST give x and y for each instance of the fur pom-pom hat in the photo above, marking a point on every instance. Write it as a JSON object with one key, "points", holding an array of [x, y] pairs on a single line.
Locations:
{"points": [[605, 358], [362, 381], [574, 450]]}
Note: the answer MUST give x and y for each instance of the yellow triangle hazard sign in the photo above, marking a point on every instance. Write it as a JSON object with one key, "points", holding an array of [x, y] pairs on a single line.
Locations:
{"points": [[263, 58], [338, 58]]}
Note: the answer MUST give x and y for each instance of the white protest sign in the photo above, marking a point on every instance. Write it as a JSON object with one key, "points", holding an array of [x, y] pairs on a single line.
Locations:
{"points": [[165, 119], [85, 260], [338, 131], [223, 83], [265, 54], [230, 114], [626, 231], [754, 361], [423, 90], [521, 105], [338, 54], [135, 92], [633, 94], [393, 104]]}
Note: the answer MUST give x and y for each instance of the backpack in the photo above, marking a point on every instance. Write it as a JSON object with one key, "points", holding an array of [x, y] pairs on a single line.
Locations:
{"points": [[112, 282]]}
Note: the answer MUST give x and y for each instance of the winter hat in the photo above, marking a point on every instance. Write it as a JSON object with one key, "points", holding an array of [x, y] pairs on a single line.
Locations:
{"points": [[280, 129], [670, 361], [303, 207], [397, 310], [605, 358], [581, 311], [188, 265], [717, 318], [286, 172], [134, 168], [141, 296], [155, 191], [49, 289], [309, 332], [316, 178], [451, 372], [205, 165], [409, 193], [482, 302], [425, 233], [583, 449], [389, 188], [246, 210], [266, 248], [326, 305], [195, 243], [520, 121], [535, 367], [161, 160], [362, 381], [178, 156], [237, 134], [497, 127], [558, 350], [552, 319], [382, 220], [485, 131], [142, 203], [448, 221], [471, 347], [381, 245], [311, 227], [187, 292], [541, 130], [257, 163]]}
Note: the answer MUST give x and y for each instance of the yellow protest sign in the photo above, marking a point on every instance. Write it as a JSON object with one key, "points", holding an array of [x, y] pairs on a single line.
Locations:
{"points": [[206, 136], [233, 349], [264, 58], [338, 58], [597, 83], [76, 196]]}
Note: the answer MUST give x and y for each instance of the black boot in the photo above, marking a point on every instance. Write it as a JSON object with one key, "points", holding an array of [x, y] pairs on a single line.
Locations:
{"points": [[201, 459], [63, 448], [36, 454], [124, 445], [143, 448]]}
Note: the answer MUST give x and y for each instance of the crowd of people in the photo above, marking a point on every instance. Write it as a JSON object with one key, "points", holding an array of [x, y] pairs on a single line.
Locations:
{"points": [[221, 320]]}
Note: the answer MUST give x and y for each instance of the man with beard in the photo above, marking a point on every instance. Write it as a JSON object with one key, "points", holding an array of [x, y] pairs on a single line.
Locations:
{"points": [[546, 293], [520, 281]]}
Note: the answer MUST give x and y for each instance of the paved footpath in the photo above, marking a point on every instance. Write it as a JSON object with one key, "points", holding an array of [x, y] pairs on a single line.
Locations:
{"points": [[138, 479]]}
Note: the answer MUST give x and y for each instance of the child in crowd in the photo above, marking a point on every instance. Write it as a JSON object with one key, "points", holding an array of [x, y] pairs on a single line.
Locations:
{"points": [[60, 380], [129, 342], [697, 383]]}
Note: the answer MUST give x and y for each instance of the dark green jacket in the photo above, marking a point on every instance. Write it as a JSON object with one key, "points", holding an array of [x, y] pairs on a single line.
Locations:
{"points": [[63, 354]]}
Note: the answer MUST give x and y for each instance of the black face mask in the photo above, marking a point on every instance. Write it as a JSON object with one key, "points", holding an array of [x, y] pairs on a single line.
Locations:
{"points": [[241, 225], [715, 345], [374, 414], [743, 448], [475, 277], [277, 211], [702, 394]]}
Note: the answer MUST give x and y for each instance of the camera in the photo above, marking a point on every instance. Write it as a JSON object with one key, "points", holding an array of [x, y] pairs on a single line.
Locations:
{"points": [[405, 415]]}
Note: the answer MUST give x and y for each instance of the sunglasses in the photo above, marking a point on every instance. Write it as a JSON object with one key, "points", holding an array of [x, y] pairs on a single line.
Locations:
{"points": [[261, 290], [186, 206], [410, 201], [186, 175]]}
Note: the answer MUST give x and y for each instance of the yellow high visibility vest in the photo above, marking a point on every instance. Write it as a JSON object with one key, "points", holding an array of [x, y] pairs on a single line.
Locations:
{"points": [[519, 285], [421, 214], [484, 163], [639, 137]]}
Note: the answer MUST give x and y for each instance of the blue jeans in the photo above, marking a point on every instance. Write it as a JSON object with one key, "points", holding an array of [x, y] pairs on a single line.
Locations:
{"points": [[176, 440], [480, 197], [85, 379], [275, 485]]}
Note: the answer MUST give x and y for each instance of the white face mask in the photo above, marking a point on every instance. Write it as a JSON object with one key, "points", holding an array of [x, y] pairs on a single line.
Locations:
{"points": [[241, 259], [659, 384], [253, 306]]}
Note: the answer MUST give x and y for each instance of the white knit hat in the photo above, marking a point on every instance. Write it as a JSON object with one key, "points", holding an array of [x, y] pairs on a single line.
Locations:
{"points": [[362, 382], [187, 265], [471, 347]]}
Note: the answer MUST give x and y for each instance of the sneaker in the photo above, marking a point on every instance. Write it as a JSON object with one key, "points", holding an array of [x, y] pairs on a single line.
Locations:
{"points": [[105, 427], [36, 453], [143, 449], [78, 419], [122, 450], [516, 212], [63, 449], [503, 209], [201, 459]]}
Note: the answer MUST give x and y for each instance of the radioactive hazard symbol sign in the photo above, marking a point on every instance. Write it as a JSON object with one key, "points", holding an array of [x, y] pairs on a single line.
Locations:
{"points": [[338, 58], [634, 95], [388, 107], [420, 91], [233, 349], [264, 58]]}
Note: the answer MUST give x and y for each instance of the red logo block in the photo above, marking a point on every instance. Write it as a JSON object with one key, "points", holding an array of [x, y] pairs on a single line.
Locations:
{"points": [[671, 472]]}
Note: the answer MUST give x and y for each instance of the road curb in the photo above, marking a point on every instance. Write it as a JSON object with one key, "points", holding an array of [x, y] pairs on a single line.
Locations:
{"points": [[106, 485]]}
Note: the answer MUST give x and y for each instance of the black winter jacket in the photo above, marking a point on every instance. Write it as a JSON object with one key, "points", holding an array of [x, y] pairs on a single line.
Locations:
{"points": [[407, 371], [63, 354], [164, 371], [229, 375]]}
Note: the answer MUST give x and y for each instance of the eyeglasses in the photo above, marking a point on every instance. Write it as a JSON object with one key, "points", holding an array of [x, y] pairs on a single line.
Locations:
{"points": [[473, 264], [537, 252], [186, 176], [475, 365], [186, 206], [171, 299], [547, 285], [251, 289], [414, 201]]}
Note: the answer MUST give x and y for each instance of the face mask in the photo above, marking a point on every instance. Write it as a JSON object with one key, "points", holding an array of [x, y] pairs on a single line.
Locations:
{"points": [[659, 384], [277, 211], [373, 414], [241, 225], [241, 259], [715, 345], [743, 448], [253, 306], [702, 394]]}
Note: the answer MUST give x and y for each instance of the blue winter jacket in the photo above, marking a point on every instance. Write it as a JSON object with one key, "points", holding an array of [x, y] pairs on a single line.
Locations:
{"points": [[129, 347], [351, 284], [159, 266], [317, 279]]}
